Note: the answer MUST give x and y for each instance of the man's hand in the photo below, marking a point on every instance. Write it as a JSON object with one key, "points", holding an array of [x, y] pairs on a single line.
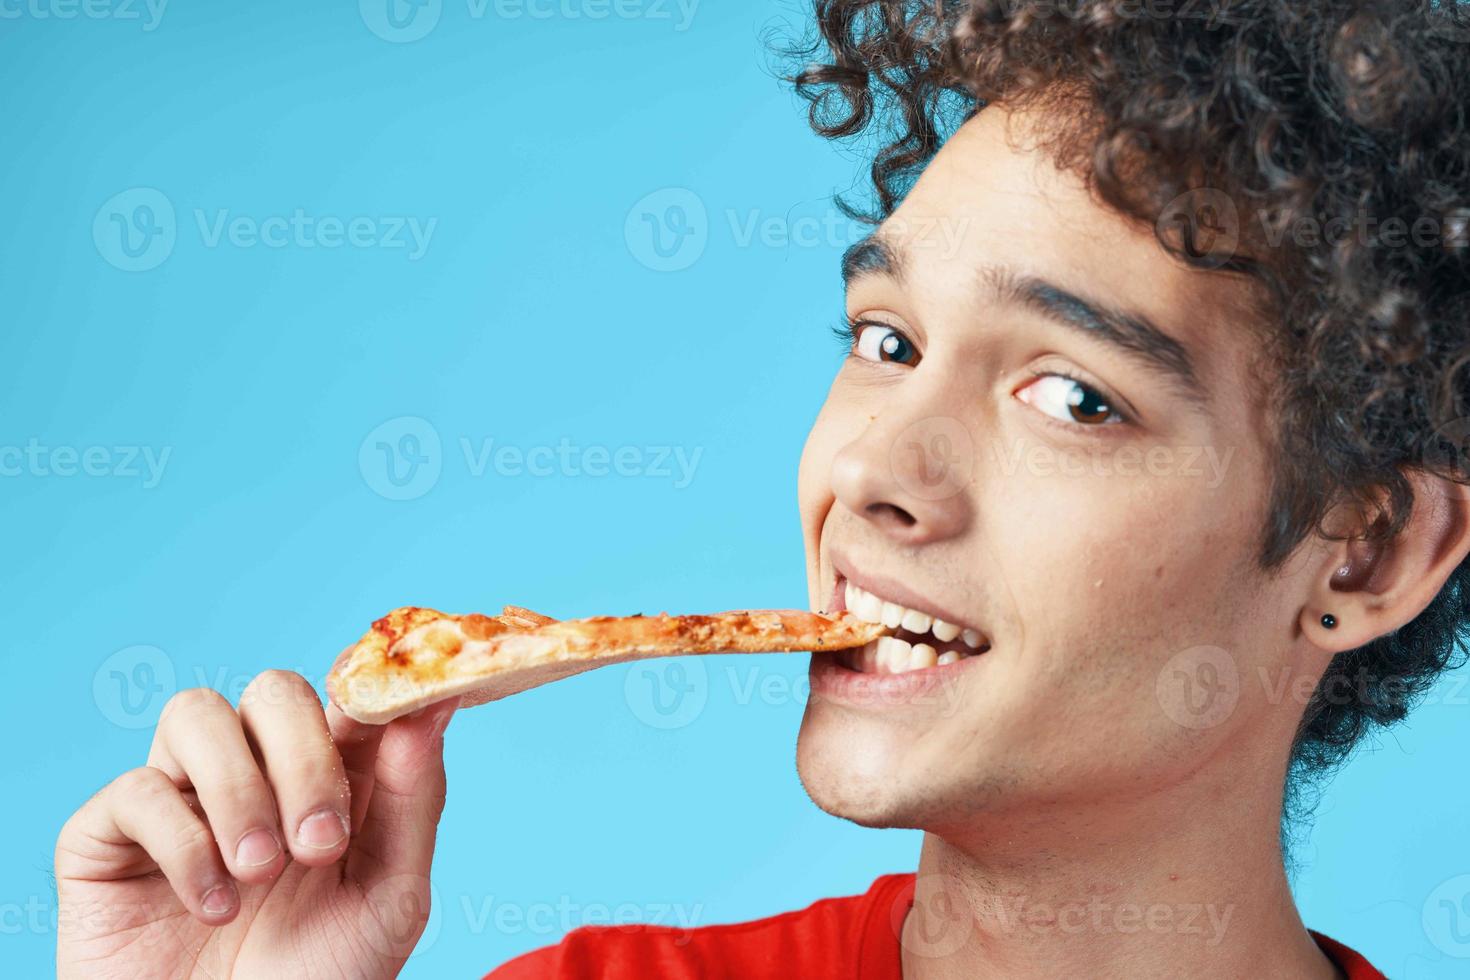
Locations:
{"points": [[229, 853]]}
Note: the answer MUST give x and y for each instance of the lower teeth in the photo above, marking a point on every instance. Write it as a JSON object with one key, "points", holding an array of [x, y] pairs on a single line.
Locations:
{"points": [[889, 655]]}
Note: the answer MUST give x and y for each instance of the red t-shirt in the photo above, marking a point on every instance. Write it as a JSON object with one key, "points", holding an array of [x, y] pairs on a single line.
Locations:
{"points": [[853, 937]]}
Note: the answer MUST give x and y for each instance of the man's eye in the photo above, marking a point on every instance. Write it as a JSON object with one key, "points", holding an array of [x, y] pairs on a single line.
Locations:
{"points": [[1069, 400], [875, 342]]}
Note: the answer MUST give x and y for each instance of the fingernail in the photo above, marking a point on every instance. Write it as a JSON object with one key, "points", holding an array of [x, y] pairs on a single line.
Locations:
{"points": [[322, 830], [219, 899], [256, 848]]}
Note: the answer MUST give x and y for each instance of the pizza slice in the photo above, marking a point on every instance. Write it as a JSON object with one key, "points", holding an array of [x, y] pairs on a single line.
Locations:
{"points": [[413, 656]]}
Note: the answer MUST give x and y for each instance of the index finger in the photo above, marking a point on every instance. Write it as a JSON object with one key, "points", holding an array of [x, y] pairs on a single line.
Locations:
{"points": [[357, 744]]}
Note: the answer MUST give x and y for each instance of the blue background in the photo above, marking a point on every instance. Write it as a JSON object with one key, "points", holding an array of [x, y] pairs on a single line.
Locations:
{"points": [[542, 310]]}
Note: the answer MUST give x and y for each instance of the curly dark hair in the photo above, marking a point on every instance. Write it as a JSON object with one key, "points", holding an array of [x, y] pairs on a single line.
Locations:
{"points": [[1304, 115]]}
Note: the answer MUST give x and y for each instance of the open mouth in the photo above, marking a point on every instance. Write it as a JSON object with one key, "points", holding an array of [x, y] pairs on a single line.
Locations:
{"points": [[917, 639]]}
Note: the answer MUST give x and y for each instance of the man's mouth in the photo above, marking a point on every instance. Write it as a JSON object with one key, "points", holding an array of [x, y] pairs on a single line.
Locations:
{"points": [[918, 639]]}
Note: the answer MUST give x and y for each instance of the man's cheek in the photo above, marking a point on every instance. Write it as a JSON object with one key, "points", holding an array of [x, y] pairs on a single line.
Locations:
{"points": [[829, 433], [814, 481]]}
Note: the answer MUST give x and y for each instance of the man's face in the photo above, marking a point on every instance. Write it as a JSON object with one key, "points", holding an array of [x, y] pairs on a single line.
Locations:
{"points": [[1048, 434]]}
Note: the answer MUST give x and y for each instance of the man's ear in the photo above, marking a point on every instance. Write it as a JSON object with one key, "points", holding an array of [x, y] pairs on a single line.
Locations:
{"points": [[1373, 588]]}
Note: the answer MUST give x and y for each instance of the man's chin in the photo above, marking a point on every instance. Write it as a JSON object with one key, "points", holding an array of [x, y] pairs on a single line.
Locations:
{"points": [[847, 779], [862, 806]]}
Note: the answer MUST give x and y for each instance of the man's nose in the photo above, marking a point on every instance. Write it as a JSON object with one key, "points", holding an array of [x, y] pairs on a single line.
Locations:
{"points": [[909, 475]]}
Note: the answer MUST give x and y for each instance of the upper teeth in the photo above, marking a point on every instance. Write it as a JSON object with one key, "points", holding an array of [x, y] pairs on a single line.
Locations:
{"points": [[871, 609]]}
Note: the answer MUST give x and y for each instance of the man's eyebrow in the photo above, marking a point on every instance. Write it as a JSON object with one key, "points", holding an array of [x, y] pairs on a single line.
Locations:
{"points": [[872, 255], [1132, 333]]}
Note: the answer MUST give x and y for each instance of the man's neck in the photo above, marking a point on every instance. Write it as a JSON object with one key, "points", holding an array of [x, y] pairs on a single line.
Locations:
{"points": [[1144, 888]]}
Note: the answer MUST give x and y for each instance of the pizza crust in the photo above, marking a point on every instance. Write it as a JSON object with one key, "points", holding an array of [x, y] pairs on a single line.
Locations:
{"points": [[414, 656]]}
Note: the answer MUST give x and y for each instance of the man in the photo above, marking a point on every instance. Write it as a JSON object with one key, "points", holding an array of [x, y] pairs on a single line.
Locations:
{"points": [[1147, 447]]}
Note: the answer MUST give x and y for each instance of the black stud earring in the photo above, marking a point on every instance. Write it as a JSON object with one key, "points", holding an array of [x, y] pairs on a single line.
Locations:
{"points": [[1328, 620]]}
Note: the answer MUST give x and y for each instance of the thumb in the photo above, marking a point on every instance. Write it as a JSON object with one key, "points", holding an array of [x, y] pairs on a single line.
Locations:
{"points": [[398, 830]]}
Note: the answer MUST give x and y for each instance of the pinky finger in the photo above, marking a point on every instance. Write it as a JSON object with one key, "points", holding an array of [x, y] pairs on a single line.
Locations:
{"points": [[144, 806]]}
